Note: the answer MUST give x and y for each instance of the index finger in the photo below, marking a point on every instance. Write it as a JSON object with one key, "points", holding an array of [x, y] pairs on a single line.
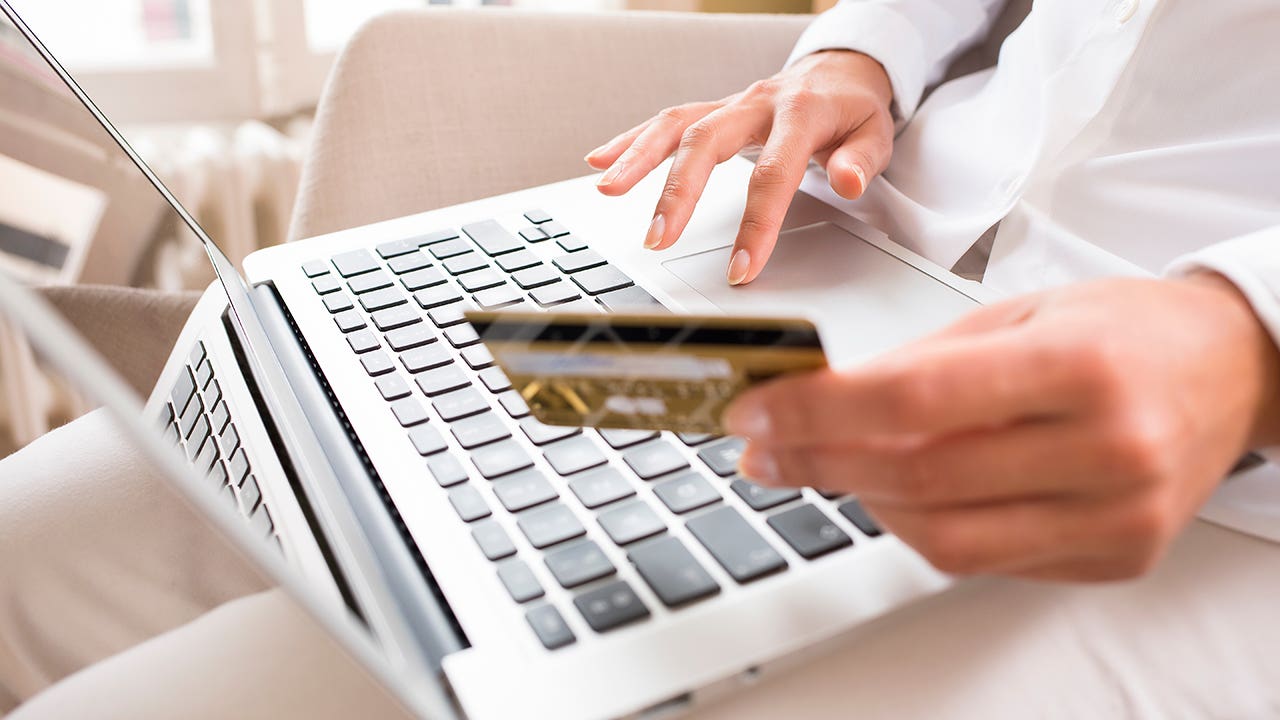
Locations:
{"points": [[951, 385]]}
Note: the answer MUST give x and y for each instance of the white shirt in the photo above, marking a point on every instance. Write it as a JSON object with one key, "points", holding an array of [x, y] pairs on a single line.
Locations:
{"points": [[1128, 137]]}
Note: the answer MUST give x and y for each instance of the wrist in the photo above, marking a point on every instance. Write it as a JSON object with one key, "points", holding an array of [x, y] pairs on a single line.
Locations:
{"points": [[1257, 347], [861, 65]]}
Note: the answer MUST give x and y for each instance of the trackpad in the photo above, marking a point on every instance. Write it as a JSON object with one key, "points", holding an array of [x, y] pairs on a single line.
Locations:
{"points": [[863, 299]]}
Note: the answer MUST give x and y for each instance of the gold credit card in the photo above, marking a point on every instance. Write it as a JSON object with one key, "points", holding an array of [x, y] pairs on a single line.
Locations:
{"points": [[642, 371]]}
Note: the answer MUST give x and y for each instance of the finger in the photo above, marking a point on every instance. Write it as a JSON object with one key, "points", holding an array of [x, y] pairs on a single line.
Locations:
{"points": [[653, 145], [774, 182], [605, 155], [998, 538], [1032, 461], [946, 386], [1081, 570], [863, 155], [705, 144]]}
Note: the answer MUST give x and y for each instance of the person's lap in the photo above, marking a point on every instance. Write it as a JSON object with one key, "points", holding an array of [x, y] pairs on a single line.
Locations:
{"points": [[111, 586]]}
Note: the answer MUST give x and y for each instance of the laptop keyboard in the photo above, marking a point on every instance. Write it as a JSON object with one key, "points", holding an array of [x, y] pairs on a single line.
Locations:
{"points": [[197, 419], [400, 309]]}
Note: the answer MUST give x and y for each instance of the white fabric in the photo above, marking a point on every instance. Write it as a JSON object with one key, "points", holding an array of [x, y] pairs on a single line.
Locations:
{"points": [[1115, 137]]}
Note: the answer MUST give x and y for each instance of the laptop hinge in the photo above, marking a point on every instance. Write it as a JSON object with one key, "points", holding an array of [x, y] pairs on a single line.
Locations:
{"points": [[400, 569]]}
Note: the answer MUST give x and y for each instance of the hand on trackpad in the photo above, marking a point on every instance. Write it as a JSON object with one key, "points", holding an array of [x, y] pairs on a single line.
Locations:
{"points": [[863, 299]]}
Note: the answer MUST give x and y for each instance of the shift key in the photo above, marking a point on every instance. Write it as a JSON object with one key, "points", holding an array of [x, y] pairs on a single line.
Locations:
{"points": [[739, 549]]}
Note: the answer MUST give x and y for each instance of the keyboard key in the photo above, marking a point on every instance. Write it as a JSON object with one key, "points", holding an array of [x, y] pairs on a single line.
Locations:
{"points": [[537, 216], [578, 261], [514, 404], [619, 439], [550, 627], [860, 518], [316, 268], [762, 498], [573, 455], [395, 317], [187, 421], [633, 299], [447, 316], [468, 503], [578, 563], [481, 280], [459, 404], [354, 263], [601, 280], [491, 237], [534, 234], [630, 522], [221, 417], [436, 297], [184, 388], [446, 470], [449, 248], [409, 337], [808, 531], [477, 357], [722, 456], [442, 380], [427, 440], [557, 293], [229, 438], [523, 490], [500, 459], [653, 459], [250, 496], [688, 491], [494, 542], [695, 439], [437, 236], [495, 380], [349, 321], [261, 521], [409, 263], [363, 341], [465, 263], [572, 244], [199, 435], [519, 581], [425, 278], [555, 229], [409, 411], [672, 572], [377, 363], [396, 248], [479, 430], [425, 357], [586, 306], [611, 606], [381, 299], [326, 284], [601, 487], [735, 544], [337, 302], [238, 467], [518, 260], [541, 434], [536, 276], [498, 297], [392, 387], [369, 282], [204, 374], [549, 525], [461, 336]]}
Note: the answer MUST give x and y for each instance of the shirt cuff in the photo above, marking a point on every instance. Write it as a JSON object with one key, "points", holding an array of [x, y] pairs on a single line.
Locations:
{"points": [[881, 33], [1252, 264]]}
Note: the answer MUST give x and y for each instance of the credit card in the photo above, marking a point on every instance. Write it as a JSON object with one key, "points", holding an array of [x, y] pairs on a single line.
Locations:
{"points": [[642, 371]]}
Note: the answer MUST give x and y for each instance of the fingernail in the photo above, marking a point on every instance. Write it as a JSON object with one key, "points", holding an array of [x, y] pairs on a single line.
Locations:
{"points": [[610, 175], [747, 419], [656, 228], [760, 466], [862, 177], [739, 266], [595, 152]]}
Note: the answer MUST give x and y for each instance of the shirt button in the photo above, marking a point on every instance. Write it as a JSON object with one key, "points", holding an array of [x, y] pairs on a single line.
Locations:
{"points": [[1124, 10]]}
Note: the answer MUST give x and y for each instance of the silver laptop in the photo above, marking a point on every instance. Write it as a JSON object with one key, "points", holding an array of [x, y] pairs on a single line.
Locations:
{"points": [[334, 414]]}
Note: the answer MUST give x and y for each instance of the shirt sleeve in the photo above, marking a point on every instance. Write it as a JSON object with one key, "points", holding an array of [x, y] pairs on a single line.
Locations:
{"points": [[915, 40]]}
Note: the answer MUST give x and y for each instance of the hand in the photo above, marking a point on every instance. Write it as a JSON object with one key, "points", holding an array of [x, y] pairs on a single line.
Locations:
{"points": [[832, 104], [1067, 435]]}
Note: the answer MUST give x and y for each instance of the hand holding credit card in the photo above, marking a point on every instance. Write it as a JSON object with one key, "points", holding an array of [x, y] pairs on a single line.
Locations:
{"points": [[642, 371]]}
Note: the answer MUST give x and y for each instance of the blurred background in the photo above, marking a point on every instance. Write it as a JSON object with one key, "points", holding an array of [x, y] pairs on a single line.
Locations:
{"points": [[218, 96]]}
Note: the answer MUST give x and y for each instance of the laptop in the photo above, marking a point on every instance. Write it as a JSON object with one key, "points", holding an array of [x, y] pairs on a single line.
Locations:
{"points": [[331, 411]]}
